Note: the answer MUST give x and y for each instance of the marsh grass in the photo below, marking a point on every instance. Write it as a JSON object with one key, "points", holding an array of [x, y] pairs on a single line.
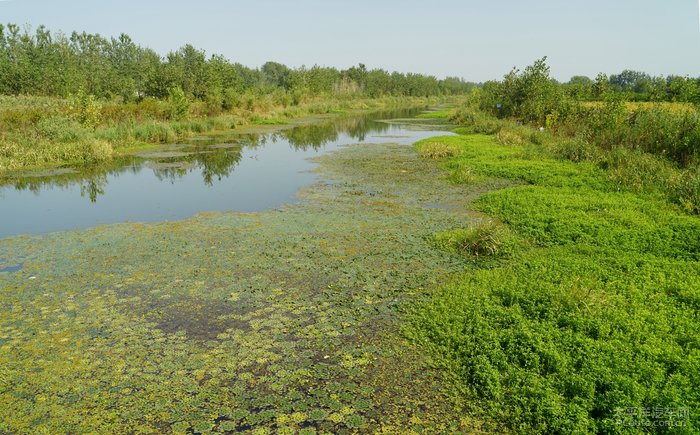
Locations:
{"points": [[465, 175], [513, 135], [268, 120], [481, 239], [436, 149]]}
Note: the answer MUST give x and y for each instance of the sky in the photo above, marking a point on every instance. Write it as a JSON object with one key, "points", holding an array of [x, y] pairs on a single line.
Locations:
{"points": [[475, 40]]}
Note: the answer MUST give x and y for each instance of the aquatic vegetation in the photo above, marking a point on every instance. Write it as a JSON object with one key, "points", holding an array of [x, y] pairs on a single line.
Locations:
{"points": [[285, 320], [564, 298]]}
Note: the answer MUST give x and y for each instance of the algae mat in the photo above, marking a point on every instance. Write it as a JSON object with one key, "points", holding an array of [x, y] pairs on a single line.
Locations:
{"points": [[282, 321]]}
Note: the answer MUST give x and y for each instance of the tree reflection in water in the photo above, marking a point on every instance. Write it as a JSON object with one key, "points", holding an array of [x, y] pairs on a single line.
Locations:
{"points": [[216, 157]]}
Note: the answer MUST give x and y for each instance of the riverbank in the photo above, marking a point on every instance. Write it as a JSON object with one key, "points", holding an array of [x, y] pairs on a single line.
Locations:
{"points": [[583, 313], [41, 133]]}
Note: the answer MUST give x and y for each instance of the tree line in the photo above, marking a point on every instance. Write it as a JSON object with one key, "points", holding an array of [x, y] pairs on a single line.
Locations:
{"points": [[636, 86], [55, 64], [532, 97]]}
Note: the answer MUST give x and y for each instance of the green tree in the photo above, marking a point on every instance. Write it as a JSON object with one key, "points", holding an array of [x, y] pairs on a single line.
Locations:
{"points": [[601, 86], [276, 74], [580, 87], [178, 105], [187, 68], [683, 89]]}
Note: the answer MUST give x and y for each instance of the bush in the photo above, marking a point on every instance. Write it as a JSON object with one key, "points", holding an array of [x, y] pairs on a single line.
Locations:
{"points": [[177, 104], [96, 151], [576, 149], [231, 99], [530, 96], [512, 135], [476, 122], [155, 132], [482, 239], [84, 109], [59, 129], [214, 99]]}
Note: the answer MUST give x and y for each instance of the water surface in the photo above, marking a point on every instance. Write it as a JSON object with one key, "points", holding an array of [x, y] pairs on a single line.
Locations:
{"points": [[241, 172]]}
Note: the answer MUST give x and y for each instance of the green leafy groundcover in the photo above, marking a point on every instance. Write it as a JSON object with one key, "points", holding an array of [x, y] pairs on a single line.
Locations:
{"points": [[591, 325], [283, 321]]}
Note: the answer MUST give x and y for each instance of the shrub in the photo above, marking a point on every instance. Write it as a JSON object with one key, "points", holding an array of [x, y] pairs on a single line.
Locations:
{"points": [[150, 108], [95, 151], [59, 129], [512, 136], [475, 121], [84, 109], [214, 99], [482, 239], [177, 104], [436, 149], [231, 99], [576, 149]]}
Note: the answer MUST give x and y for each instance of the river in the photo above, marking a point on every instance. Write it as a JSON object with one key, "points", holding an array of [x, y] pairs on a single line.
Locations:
{"points": [[222, 172]]}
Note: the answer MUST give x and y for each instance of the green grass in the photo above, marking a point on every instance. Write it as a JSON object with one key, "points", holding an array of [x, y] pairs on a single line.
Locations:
{"points": [[481, 239], [598, 315], [627, 166], [436, 149], [268, 121], [436, 114]]}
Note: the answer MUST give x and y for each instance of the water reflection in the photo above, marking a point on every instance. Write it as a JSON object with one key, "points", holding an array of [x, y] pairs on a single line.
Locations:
{"points": [[215, 157], [91, 179], [243, 172]]}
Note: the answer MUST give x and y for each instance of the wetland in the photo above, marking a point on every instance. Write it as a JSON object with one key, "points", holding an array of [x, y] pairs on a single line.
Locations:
{"points": [[283, 319]]}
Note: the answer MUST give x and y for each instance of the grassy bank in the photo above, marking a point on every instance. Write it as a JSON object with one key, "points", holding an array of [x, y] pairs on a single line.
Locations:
{"points": [[582, 315], [635, 156], [39, 132]]}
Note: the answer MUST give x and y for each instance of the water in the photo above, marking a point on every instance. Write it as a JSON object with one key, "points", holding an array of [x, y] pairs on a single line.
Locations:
{"points": [[237, 172], [12, 269]]}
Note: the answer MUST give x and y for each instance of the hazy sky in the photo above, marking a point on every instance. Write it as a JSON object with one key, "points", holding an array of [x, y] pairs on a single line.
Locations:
{"points": [[477, 40]]}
